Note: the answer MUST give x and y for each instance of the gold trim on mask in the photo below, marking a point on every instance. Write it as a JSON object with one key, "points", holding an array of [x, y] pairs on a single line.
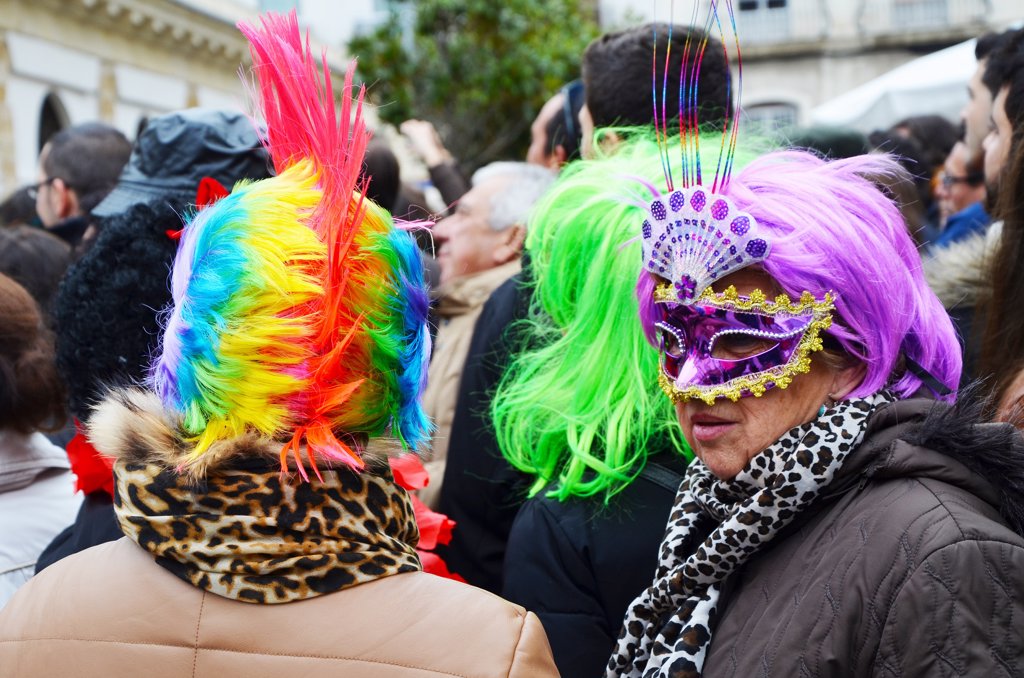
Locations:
{"points": [[756, 302]]}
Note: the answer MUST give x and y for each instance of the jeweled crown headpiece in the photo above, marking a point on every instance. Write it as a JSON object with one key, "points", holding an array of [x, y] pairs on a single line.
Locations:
{"points": [[693, 235], [716, 344]]}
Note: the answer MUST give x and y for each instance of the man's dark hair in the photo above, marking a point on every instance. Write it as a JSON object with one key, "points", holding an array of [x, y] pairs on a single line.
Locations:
{"points": [[36, 260], [988, 43], [383, 171], [617, 75], [1005, 68], [89, 159], [563, 129]]}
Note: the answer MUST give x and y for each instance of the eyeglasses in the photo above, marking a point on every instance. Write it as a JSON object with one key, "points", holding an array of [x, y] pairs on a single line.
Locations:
{"points": [[972, 179], [33, 191]]}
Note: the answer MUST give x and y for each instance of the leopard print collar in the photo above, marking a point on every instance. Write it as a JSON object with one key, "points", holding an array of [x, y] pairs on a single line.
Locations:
{"points": [[259, 537], [715, 527]]}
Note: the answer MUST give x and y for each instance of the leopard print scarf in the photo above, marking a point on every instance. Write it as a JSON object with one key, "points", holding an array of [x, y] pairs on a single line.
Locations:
{"points": [[258, 537], [714, 528]]}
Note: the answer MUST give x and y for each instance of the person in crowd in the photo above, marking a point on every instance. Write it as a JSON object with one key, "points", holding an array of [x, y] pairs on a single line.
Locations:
{"points": [[961, 197], [840, 513], [616, 94], [482, 491], [1002, 342], [386, 188], [78, 167], [444, 172], [253, 485], [383, 173], [555, 134], [109, 304], [829, 142], [935, 136], [19, 209], [976, 115], [37, 491], [554, 140], [601, 448], [478, 249], [913, 197], [36, 260], [961, 273]]}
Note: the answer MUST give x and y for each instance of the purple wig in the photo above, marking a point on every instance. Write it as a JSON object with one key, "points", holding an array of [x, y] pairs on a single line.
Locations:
{"points": [[831, 228]]}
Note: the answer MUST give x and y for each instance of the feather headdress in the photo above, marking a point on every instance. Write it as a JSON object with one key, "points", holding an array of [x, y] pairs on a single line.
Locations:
{"points": [[299, 308]]}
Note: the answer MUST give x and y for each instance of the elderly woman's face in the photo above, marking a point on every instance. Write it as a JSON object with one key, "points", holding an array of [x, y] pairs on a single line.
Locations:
{"points": [[726, 435]]}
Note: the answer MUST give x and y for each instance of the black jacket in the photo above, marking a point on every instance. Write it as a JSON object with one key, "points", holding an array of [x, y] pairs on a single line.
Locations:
{"points": [[578, 564], [95, 524], [481, 492]]}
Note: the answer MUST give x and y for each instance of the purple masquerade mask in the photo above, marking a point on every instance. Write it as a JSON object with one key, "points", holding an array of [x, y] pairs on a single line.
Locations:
{"points": [[728, 346]]}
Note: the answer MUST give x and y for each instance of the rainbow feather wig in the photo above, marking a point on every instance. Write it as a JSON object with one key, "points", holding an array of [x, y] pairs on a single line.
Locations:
{"points": [[299, 308]]}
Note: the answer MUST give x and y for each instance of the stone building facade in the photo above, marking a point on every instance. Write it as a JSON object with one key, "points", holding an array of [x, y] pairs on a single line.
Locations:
{"points": [[64, 62], [798, 54]]}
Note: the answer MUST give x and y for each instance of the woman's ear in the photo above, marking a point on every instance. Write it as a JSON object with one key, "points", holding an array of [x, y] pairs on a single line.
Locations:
{"points": [[846, 380]]}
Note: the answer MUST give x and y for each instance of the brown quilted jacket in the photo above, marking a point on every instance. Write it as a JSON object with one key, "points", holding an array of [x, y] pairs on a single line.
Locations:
{"points": [[912, 566]]}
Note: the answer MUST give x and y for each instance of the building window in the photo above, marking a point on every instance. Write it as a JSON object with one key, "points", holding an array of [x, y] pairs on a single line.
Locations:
{"points": [[52, 118], [763, 21], [771, 117], [754, 5], [919, 14]]}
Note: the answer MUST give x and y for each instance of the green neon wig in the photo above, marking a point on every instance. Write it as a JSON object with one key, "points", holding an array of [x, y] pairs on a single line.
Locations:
{"points": [[579, 407]]}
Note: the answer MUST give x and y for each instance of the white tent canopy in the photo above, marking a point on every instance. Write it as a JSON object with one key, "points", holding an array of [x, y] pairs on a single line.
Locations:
{"points": [[936, 83]]}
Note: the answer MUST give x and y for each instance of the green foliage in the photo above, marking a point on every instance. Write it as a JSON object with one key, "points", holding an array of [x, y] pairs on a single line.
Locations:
{"points": [[479, 70]]}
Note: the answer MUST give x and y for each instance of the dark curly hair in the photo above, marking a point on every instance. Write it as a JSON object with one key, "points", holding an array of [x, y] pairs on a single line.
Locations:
{"points": [[617, 75], [108, 306], [31, 393]]}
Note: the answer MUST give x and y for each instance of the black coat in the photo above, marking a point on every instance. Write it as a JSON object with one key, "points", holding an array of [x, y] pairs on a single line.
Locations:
{"points": [[95, 524], [578, 564], [481, 492]]}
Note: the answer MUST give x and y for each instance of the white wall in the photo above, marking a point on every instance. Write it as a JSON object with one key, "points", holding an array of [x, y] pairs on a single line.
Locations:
{"points": [[51, 62], [38, 68], [149, 89]]}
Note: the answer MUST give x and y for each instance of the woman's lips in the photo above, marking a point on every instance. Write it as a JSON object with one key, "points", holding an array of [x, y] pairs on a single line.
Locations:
{"points": [[707, 428]]}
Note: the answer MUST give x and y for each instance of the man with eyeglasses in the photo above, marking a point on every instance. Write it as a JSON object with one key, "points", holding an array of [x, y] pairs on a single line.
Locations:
{"points": [[78, 167], [961, 196]]}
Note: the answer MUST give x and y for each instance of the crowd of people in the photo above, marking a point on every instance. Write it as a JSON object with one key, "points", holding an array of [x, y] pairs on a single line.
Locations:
{"points": [[686, 405]]}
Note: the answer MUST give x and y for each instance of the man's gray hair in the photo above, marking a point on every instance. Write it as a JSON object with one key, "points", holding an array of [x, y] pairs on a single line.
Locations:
{"points": [[526, 183]]}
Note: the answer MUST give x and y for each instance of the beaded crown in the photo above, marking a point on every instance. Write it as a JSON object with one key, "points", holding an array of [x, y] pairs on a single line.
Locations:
{"points": [[693, 235]]}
